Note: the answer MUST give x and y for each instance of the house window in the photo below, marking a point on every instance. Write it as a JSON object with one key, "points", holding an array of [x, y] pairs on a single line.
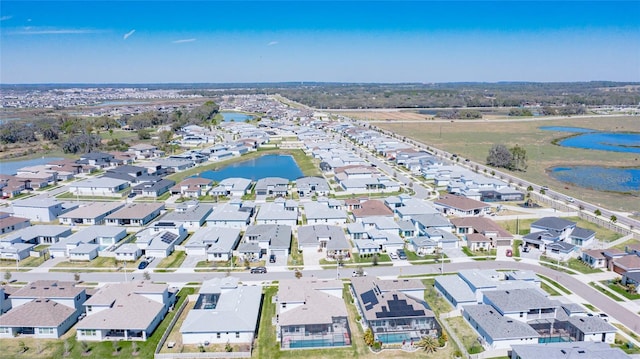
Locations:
{"points": [[88, 332], [218, 335], [237, 334], [5, 330], [45, 330]]}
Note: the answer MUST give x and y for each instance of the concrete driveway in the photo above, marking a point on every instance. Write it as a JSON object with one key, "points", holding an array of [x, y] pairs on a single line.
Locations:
{"points": [[312, 258]]}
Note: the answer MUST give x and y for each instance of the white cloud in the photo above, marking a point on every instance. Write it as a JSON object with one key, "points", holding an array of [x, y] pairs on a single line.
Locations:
{"points": [[272, 43], [126, 36], [52, 31], [182, 41], [6, 17]]}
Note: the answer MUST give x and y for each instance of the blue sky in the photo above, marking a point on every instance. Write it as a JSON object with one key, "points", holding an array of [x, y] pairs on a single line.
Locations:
{"points": [[357, 41]]}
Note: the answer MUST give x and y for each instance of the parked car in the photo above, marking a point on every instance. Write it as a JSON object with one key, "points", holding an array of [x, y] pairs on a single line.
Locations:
{"points": [[272, 258], [402, 254], [143, 265], [393, 255], [131, 195], [359, 273], [149, 259], [509, 252], [259, 270]]}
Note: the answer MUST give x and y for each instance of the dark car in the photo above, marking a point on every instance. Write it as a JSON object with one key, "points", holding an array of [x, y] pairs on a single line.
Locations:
{"points": [[402, 254], [143, 265], [272, 258], [131, 195], [259, 270]]}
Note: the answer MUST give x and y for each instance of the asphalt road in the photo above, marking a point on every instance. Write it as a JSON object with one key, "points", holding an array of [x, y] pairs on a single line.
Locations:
{"points": [[589, 294]]}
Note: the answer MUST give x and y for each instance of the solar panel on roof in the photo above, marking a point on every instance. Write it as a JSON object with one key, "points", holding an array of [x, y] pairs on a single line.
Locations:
{"points": [[168, 237]]}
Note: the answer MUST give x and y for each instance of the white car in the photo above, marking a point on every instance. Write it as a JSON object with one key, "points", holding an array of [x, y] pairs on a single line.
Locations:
{"points": [[393, 255], [359, 273], [150, 259]]}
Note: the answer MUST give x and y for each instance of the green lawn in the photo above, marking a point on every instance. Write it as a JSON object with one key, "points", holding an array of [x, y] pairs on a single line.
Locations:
{"points": [[555, 284], [382, 257], [621, 290], [466, 334], [436, 302], [547, 288], [29, 262], [516, 247], [581, 266], [173, 261], [99, 262], [606, 292]]}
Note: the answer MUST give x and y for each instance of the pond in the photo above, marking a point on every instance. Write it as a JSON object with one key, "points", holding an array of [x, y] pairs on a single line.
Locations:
{"points": [[235, 117], [10, 167], [595, 140], [258, 168], [600, 178]]}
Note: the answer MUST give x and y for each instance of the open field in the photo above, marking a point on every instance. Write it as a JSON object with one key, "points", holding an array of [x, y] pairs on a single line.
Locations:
{"points": [[473, 139]]}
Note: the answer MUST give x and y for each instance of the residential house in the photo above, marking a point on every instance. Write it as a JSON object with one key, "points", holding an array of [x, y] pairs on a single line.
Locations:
{"points": [[395, 310], [135, 214], [93, 213], [216, 243], [272, 239], [277, 213], [231, 214], [160, 239], [98, 159], [192, 215], [485, 226], [215, 317], [632, 278], [100, 186], [371, 208], [234, 187], [39, 209], [9, 223], [311, 313], [272, 187], [628, 263], [154, 188], [567, 350], [143, 151], [85, 244], [43, 309], [124, 311], [497, 331], [318, 213], [461, 206], [128, 252], [193, 187], [595, 258], [329, 239], [312, 186]]}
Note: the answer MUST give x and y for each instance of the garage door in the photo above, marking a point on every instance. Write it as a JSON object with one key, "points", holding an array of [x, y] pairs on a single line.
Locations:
{"points": [[503, 243]]}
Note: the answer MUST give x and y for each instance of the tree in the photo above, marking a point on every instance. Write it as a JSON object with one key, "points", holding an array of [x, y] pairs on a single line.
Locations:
{"points": [[144, 134], [597, 212], [76, 277], [499, 156], [67, 347], [613, 218], [146, 275], [519, 158], [85, 347], [529, 189], [631, 288], [368, 337], [298, 274], [7, 276], [429, 344], [374, 261], [22, 346], [134, 348]]}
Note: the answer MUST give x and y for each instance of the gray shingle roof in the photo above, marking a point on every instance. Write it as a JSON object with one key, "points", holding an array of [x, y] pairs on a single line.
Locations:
{"points": [[37, 313], [555, 223], [518, 300], [496, 326], [572, 350]]}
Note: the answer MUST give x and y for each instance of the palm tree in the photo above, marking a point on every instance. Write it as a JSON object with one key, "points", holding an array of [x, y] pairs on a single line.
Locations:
{"points": [[429, 344]]}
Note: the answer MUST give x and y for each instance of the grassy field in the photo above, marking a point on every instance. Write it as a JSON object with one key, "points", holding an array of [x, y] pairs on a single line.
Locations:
{"points": [[473, 139]]}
